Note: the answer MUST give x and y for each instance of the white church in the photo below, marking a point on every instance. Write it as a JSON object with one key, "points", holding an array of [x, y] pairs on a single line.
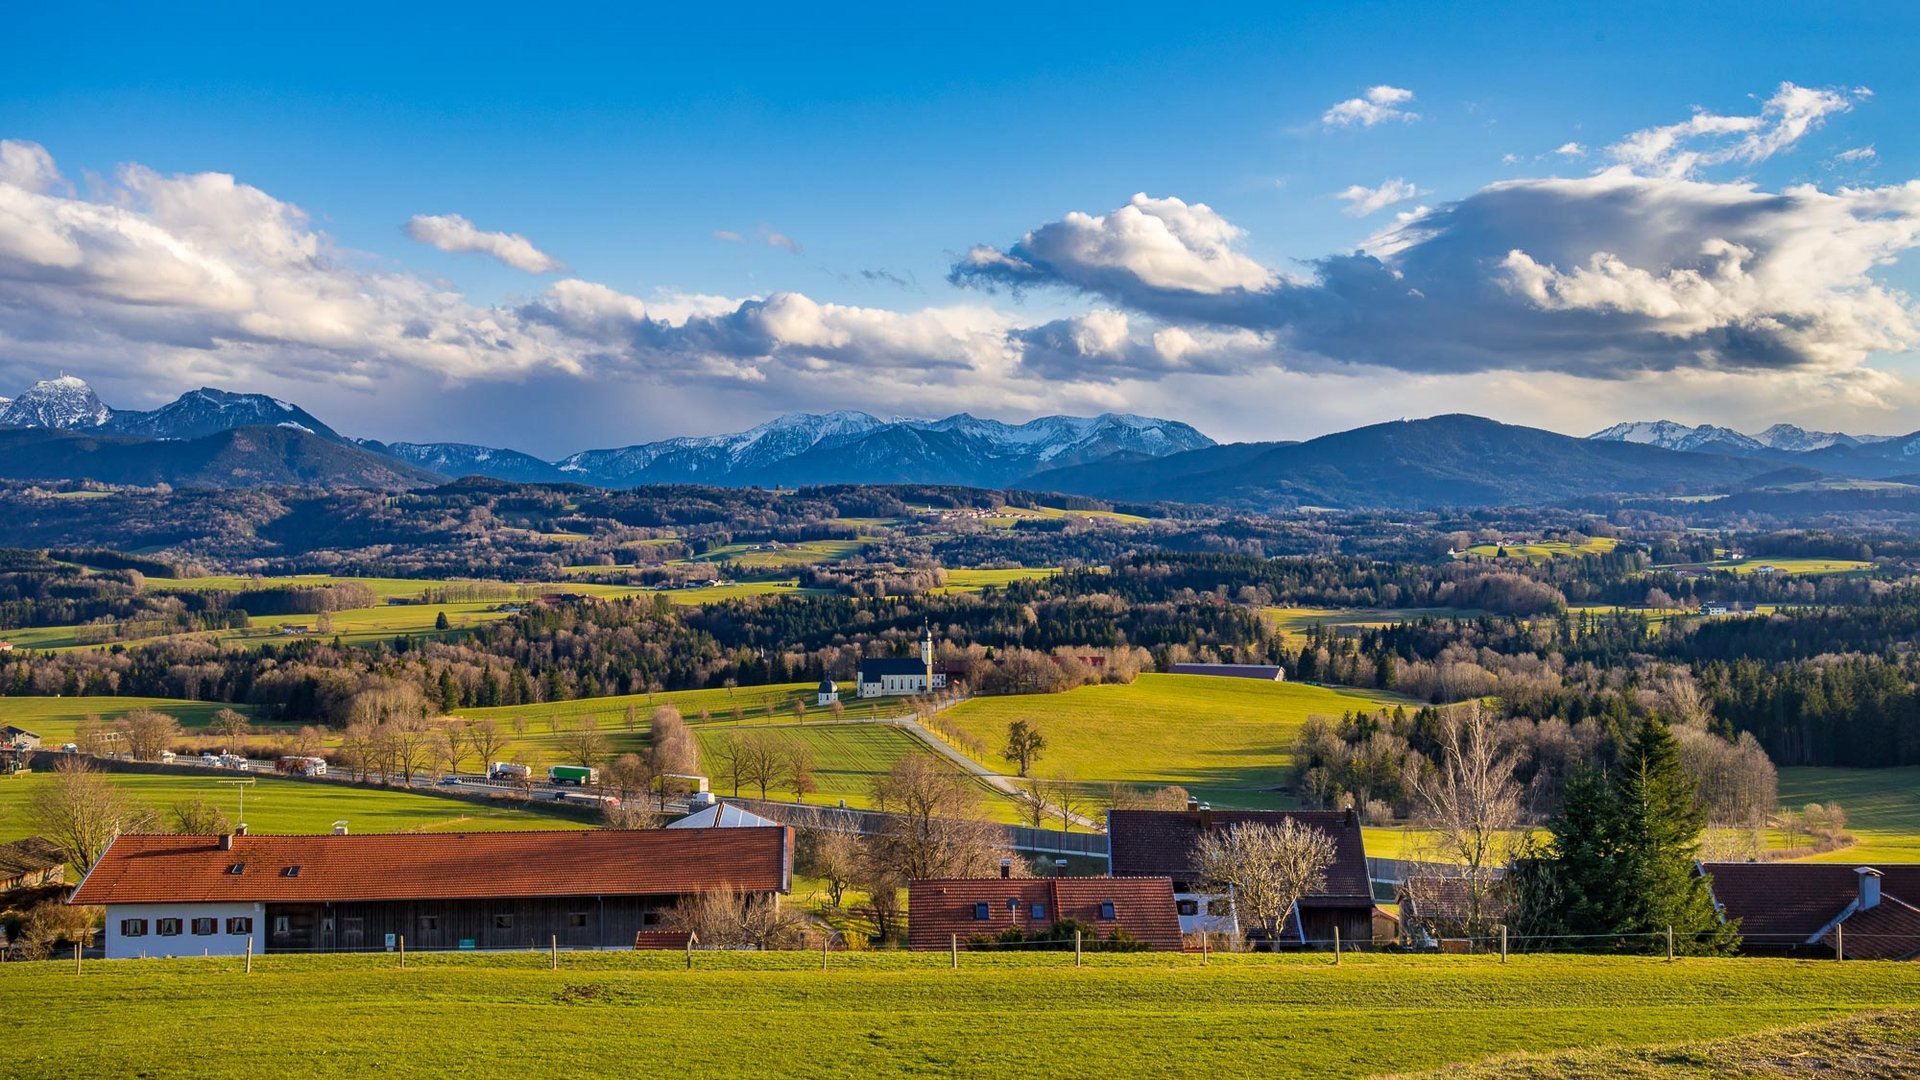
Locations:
{"points": [[888, 676]]}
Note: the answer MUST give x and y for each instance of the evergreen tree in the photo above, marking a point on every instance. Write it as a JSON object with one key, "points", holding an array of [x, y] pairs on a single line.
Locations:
{"points": [[1620, 862]]}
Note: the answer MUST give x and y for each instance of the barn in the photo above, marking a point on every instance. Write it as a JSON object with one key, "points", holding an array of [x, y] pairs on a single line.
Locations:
{"points": [[189, 895]]}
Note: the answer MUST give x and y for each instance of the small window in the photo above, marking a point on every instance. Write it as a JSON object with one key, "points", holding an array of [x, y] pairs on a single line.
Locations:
{"points": [[577, 919], [282, 925], [429, 922], [237, 869], [1189, 907], [1039, 911], [133, 928], [240, 926], [983, 911], [205, 927], [291, 871], [650, 918], [169, 927], [1106, 910], [503, 922]]}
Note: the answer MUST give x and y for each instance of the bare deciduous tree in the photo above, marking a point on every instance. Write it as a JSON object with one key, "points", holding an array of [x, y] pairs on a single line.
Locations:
{"points": [[1024, 744], [934, 828], [731, 919], [1267, 868], [1472, 801], [585, 744], [671, 748], [489, 743], [230, 726], [198, 817], [148, 734], [80, 810]]}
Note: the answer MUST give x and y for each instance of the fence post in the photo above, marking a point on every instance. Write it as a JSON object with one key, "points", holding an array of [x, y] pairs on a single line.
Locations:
{"points": [[1076, 948], [1336, 946], [1503, 943], [1839, 941], [76, 958], [553, 943], [249, 954], [824, 938], [691, 937], [1205, 937], [953, 943], [1669, 943], [403, 950]]}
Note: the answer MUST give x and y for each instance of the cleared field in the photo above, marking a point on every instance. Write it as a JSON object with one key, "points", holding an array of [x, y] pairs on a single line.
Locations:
{"points": [[1547, 549], [846, 760], [736, 590], [803, 553], [1882, 805], [53, 718], [888, 1014], [959, 581], [720, 703], [1294, 622], [1225, 740], [1793, 566], [276, 805]]}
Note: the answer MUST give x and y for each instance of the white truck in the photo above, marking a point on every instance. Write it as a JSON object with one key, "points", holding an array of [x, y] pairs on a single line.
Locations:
{"points": [[509, 772]]}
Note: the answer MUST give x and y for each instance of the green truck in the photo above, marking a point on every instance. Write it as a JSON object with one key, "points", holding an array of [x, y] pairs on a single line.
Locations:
{"points": [[572, 774]]}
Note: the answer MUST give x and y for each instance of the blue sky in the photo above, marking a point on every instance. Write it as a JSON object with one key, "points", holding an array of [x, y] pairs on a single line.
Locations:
{"points": [[859, 158]]}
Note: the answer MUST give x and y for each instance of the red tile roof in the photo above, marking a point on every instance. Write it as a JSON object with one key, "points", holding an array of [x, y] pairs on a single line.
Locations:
{"points": [[939, 910], [661, 939], [1889, 930], [1781, 904], [1161, 842], [421, 866]]}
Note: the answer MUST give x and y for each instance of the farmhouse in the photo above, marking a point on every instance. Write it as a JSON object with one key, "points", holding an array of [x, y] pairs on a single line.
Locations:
{"points": [[19, 738], [1263, 672], [1441, 906], [1816, 909], [1161, 843], [889, 676], [185, 895], [948, 909], [31, 864]]}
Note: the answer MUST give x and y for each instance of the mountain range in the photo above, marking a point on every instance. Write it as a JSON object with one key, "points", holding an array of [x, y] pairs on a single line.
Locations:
{"points": [[60, 429]]}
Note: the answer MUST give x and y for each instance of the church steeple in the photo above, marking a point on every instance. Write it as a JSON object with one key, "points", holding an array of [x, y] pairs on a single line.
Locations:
{"points": [[926, 654]]}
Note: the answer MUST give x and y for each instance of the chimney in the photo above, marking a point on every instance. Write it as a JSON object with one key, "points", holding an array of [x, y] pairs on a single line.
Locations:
{"points": [[1192, 804], [1006, 868], [240, 829], [226, 841], [1869, 887], [1353, 817], [339, 828], [1206, 816]]}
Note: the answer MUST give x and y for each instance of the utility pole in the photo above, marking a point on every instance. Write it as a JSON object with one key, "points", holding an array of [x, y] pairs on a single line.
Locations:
{"points": [[242, 786]]}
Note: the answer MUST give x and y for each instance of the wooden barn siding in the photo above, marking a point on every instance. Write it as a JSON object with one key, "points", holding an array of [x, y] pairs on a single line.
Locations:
{"points": [[611, 923]]}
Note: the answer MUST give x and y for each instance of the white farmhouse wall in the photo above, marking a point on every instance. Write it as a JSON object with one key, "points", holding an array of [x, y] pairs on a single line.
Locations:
{"points": [[186, 943]]}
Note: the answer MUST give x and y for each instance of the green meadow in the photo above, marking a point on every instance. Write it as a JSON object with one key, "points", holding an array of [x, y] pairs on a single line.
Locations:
{"points": [[891, 1014], [54, 718], [1882, 805], [1543, 550], [276, 805], [1225, 740]]}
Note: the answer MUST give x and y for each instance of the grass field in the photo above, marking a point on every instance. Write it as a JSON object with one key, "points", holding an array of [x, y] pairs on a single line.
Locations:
{"points": [[275, 805], [846, 760], [1547, 549], [53, 718], [803, 553], [891, 1014], [959, 581], [1882, 805], [1225, 740], [1294, 622]]}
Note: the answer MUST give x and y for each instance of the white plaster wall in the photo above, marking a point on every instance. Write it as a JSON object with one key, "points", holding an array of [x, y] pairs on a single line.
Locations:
{"points": [[219, 943]]}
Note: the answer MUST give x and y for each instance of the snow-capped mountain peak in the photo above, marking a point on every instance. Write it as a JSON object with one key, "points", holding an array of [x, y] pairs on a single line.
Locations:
{"points": [[65, 402], [1789, 438]]}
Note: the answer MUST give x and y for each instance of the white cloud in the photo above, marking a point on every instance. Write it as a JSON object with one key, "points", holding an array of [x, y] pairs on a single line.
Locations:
{"points": [[27, 165], [1607, 276], [1570, 149], [1161, 243], [1377, 106], [765, 235], [1707, 138], [728, 236], [451, 232], [1857, 154], [1363, 201], [1509, 159]]}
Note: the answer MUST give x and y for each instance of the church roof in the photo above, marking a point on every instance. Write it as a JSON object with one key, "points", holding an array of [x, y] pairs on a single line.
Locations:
{"points": [[873, 668], [827, 686]]}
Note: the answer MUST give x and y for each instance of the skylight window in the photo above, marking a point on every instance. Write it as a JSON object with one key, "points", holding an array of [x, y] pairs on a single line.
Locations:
{"points": [[292, 871], [237, 869]]}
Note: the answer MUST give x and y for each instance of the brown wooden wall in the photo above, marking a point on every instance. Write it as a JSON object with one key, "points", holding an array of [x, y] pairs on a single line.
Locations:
{"points": [[578, 922]]}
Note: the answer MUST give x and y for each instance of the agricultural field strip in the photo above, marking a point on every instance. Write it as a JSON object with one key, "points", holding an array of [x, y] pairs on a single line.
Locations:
{"points": [[892, 1013]]}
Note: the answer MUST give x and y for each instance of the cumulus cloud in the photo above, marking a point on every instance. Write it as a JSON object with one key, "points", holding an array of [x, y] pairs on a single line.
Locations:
{"points": [[1709, 138], [451, 232], [1606, 276], [1377, 106], [1363, 201], [27, 166], [1570, 149]]}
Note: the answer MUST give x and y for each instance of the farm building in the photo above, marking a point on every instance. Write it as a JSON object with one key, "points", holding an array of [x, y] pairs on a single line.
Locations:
{"points": [[1161, 843], [724, 815], [185, 895], [31, 863], [828, 693], [1442, 906], [1806, 909], [949, 909], [1263, 672], [19, 738]]}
